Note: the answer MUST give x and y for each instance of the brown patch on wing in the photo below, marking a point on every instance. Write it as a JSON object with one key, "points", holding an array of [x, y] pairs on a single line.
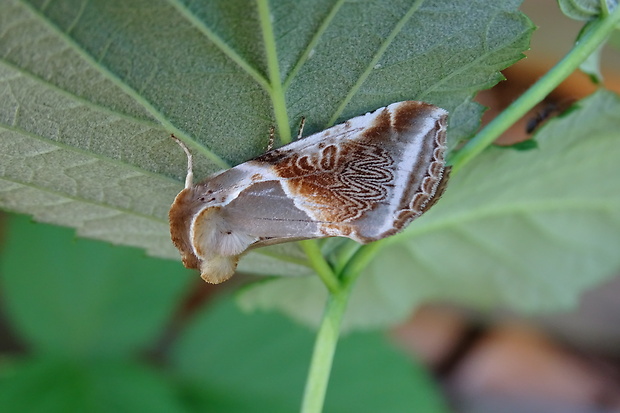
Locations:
{"points": [[407, 112], [339, 182], [381, 127], [351, 172]]}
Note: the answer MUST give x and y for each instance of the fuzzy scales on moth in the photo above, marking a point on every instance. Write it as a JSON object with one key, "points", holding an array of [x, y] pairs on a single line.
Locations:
{"points": [[364, 179]]}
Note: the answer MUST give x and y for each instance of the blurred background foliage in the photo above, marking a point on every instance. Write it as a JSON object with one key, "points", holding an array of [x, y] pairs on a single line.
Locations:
{"points": [[98, 328]]}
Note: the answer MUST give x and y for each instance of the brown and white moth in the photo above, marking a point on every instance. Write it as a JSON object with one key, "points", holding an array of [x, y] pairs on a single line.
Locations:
{"points": [[364, 179]]}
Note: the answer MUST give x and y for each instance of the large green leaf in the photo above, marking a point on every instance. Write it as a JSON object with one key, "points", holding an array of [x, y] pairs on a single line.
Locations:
{"points": [[83, 298], [91, 90], [238, 363], [83, 308], [526, 229], [51, 385], [86, 312]]}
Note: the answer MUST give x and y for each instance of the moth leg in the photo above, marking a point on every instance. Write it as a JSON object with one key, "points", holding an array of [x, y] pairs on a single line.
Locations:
{"points": [[190, 162], [301, 128], [272, 134]]}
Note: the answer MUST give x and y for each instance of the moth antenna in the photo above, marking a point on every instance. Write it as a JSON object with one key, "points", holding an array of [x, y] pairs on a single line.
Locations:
{"points": [[190, 162], [272, 133], [301, 127]]}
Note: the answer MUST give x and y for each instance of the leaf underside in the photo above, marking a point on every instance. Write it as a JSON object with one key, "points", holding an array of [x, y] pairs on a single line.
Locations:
{"points": [[92, 90]]}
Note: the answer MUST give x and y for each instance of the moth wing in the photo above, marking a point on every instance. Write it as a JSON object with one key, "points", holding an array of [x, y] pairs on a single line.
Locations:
{"points": [[265, 211], [366, 178]]}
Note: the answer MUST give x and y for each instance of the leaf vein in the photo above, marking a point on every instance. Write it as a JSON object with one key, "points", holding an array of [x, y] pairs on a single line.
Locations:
{"points": [[148, 106], [373, 62], [73, 96], [313, 42], [273, 67], [463, 68], [72, 198], [89, 154], [220, 44], [588, 205]]}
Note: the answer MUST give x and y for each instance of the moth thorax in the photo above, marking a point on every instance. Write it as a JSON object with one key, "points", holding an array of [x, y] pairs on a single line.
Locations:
{"points": [[213, 234]]}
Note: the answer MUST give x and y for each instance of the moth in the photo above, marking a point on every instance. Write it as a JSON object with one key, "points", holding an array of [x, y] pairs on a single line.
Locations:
{"points": [[365, 179]]}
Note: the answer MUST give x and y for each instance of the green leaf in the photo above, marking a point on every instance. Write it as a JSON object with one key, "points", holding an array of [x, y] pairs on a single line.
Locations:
{"points": [[526, 145], [529, 230], [585, 9], [589, 10], [239, 363], [592, 65], [81, 297], [92, 90], [50, 385]]}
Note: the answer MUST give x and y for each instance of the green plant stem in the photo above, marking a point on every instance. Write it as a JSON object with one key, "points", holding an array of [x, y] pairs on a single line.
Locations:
{"points": [[360, 260], [344, 255], [320, 266], [327, 336], [535, 94], [323, 353]]}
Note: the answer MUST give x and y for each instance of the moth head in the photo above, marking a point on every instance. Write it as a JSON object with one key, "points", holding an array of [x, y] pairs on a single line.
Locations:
{"points": [[200, 230], [204, 237], [185, 206]]}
